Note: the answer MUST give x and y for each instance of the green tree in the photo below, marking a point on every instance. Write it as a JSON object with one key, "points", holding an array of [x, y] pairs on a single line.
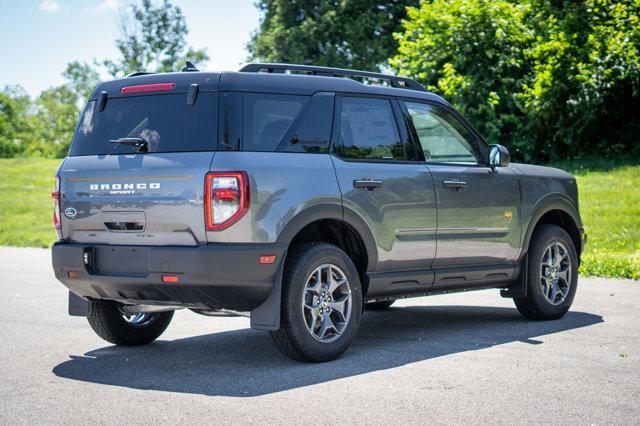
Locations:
{"points": [[550, 79], [584, 94], [338, 33], [473, 53], [82, 79], [17, 125], [56, 114], [153, 38]]}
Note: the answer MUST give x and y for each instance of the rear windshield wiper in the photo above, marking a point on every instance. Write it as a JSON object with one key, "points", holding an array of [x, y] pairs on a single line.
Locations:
{"points": [[139, 143]]}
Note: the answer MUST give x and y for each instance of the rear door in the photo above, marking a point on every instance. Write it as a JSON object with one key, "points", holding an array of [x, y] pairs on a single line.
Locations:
{"points": [[478, 207], [382, 181], [152, 194]]}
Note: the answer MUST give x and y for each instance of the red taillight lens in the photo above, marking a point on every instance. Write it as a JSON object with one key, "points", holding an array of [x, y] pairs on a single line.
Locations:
{"points": [[56, 208], [226, 199], [144, 88]]}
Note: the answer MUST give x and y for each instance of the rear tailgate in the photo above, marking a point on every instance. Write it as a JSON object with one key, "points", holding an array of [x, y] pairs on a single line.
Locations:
{"points": [[141, 199], [145, 193]]}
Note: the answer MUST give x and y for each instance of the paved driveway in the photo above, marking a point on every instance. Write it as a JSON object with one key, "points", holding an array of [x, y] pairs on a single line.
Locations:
{"points": [[446, 359]]}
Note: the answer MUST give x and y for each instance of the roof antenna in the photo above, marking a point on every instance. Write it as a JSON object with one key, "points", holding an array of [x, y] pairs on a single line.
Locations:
{"points": [[189, 67]]}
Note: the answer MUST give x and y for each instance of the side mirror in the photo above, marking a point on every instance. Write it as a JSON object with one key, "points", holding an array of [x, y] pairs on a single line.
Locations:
{"points": [[499, 156]]}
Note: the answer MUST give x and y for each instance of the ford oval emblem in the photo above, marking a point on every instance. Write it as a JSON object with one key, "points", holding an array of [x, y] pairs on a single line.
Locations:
{"points": [[70, 212]]}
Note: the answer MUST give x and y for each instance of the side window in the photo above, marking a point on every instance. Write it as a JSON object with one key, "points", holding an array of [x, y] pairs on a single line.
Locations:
{"points": [[287, 123], [443, 138], [368, 130], [267, 118]]}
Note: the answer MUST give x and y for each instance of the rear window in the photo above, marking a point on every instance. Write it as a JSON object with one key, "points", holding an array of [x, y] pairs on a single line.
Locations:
{"points": [[165, 122]]}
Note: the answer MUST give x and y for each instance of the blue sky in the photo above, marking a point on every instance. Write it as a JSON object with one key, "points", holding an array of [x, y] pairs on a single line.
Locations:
{"points": [[39, 37]]}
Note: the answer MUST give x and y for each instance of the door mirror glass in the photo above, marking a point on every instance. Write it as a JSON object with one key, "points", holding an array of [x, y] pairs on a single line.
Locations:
{"points": [[499, 156]]}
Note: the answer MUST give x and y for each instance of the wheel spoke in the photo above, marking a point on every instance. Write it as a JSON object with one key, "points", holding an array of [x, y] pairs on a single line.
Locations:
{"points": [[339, 307], [326, 325]]}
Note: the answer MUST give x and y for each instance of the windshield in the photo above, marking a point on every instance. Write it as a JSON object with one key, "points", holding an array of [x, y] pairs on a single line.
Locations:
{"points": [[165, 122]]}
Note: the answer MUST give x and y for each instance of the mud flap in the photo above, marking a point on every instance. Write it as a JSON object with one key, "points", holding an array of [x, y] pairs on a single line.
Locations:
{"points": [[267, 315], [78, 307], [519, 289]]}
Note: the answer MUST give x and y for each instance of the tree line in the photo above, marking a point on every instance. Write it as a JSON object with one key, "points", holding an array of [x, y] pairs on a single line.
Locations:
{"points": [[550, 79]]}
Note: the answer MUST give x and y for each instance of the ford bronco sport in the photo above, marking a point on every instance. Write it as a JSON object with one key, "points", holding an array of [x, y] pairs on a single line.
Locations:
{"points": [[299, 195]]}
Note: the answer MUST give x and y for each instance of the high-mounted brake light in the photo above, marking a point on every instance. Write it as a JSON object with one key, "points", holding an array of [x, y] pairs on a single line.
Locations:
{"points": [[144, 88], [55, 195], [226, 199]]}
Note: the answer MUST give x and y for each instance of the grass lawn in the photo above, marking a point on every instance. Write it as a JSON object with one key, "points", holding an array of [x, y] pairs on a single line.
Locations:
{"points": [[609, 204]]}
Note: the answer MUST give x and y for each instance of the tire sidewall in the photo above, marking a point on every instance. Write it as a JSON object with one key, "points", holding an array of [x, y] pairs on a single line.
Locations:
{"points": [[296, 276], [547, 235]]}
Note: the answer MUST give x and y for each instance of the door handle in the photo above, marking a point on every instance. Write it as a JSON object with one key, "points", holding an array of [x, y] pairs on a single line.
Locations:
{"points": [[454, 185], [368, 184]]}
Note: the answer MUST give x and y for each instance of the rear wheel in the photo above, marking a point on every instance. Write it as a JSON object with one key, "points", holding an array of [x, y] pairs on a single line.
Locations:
{"points": [[321, 303], [552, 276], [109, 322], [379, 306]]}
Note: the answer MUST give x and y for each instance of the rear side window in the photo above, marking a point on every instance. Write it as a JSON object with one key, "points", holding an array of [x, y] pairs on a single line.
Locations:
{"points": [[368, 130], [287, 123], [165, 122]]}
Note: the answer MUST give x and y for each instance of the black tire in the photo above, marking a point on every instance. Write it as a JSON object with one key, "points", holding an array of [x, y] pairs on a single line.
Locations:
{"points": [[107, 321], [379, 306], [535, 305], [293, 338]]}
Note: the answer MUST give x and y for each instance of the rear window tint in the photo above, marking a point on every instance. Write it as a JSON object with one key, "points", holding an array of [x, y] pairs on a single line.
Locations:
{"points": [[165, 122], [287, 123]]}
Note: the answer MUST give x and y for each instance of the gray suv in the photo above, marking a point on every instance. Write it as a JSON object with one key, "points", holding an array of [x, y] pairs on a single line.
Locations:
{"points": [[300, 195]]}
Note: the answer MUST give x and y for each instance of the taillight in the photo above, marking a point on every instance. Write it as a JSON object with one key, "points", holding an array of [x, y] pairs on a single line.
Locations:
{"points": [[56, 208], [226, 199]]}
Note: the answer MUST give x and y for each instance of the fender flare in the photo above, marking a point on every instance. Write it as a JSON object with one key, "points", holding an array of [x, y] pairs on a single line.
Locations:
{"points": [[267, 315], [543, 206], [333, 211]]}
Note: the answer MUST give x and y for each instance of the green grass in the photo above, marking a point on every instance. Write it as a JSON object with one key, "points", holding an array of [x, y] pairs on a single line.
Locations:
{"points": [[609, 204], [610, 210], [26, 208]]}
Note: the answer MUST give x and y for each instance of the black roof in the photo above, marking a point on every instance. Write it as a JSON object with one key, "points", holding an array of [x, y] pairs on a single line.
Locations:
{"points": [[265, 82]]}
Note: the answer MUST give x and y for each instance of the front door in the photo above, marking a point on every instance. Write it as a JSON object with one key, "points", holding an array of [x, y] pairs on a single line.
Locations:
{"points": [[382, 181], [477, 205]]}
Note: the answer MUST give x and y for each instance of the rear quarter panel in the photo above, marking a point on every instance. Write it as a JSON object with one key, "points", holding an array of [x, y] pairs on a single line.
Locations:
{"points": [[282, 185]]}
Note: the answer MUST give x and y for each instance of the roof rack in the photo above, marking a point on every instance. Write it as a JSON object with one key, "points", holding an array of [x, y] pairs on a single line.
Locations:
{"points": [[394, 81], [134, 74]]}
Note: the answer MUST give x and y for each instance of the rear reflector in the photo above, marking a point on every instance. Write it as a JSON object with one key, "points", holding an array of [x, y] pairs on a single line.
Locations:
{"points": [[169, 278], [73, 274], [144, 88], [268, 259]]}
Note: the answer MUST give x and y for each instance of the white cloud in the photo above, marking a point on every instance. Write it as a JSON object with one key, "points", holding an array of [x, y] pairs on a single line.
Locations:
{"points": [[105, 6], [50, 6]]}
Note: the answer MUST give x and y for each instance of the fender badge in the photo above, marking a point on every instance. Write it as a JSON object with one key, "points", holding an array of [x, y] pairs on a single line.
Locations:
{"points": [[70, 212], [508, 215]]}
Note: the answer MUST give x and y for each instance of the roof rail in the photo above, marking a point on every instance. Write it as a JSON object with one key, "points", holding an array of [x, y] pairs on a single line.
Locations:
{"points": [[134, 74], [394, 81]]}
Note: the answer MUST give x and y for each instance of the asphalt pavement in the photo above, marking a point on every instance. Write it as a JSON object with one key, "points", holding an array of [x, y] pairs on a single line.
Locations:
{"points": [[464, 358]]}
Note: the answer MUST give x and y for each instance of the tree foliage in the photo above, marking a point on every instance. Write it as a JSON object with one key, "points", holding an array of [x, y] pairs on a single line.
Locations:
{"points": [[549, 78], [338, 33], [153, 38]]}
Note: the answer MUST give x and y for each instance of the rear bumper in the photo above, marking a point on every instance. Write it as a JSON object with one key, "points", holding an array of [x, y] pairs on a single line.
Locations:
{"points": [[209, 276]]}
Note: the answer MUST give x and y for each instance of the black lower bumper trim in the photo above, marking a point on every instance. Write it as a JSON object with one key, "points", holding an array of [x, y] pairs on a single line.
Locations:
{"points": [[213, 276]]}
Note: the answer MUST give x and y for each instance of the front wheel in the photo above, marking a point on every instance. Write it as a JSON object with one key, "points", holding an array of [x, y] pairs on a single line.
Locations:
{"points": [[552, 277], [109, 322], [321, 303]]}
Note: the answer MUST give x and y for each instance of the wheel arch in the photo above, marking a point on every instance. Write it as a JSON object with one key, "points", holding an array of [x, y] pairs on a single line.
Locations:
{"points": [[326, 217], [556, 211]]}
